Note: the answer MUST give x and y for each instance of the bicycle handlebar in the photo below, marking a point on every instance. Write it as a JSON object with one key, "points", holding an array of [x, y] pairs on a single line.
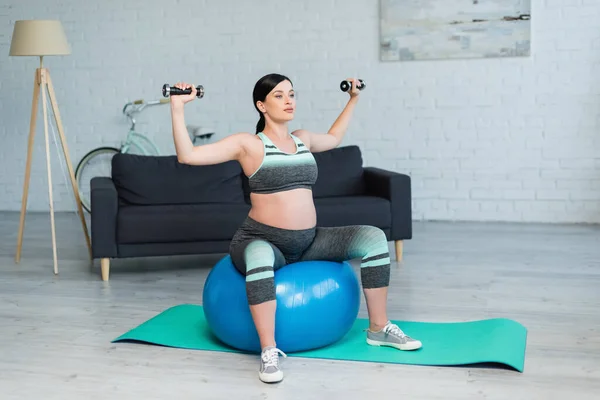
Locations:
{"points": [[141, 104], [138, 106]]}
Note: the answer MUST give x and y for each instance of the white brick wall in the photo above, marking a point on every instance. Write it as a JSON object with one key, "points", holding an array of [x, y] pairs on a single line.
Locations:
{"points": [[498, 139]]}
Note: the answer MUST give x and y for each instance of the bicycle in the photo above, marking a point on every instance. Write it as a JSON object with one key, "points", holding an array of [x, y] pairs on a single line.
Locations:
{"points": [[134, 140]]}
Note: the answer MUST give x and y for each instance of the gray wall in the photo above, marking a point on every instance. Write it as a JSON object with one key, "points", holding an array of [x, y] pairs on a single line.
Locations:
{"points": [[496, 139]]}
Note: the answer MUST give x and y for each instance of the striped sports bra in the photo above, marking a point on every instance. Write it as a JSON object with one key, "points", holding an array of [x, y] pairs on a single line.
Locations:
{"points": [[281, 171]]}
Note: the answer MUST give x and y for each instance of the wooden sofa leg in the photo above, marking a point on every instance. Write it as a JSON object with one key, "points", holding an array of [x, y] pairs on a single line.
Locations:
{"points": [[105, 267], [399, 244]]}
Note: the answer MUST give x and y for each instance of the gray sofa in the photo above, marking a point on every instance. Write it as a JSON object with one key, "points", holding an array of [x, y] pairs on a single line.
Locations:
{"points": [[155, 206]]}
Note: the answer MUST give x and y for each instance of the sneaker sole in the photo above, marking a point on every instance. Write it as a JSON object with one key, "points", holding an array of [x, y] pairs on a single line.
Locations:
{"points": [[271, 378], [408, 346]]}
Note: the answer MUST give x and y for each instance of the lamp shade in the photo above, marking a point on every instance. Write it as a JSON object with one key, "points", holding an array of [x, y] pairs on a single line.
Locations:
{"points": [[39, 38]]}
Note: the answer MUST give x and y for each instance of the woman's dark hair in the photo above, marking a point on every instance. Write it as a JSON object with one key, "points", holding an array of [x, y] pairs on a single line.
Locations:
{"points": [[261, 89]]}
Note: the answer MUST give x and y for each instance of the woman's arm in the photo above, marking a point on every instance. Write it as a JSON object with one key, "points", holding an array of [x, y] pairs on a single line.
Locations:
{"points": [[226, 149], [322, 142]]}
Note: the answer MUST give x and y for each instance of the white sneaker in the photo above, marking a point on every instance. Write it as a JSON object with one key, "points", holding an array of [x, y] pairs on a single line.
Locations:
{"points": [[269, 365], [392, 336]]}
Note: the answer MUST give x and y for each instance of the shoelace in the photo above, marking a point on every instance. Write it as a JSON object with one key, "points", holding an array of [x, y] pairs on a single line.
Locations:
{"points": [[394, 330], [271, 357]]}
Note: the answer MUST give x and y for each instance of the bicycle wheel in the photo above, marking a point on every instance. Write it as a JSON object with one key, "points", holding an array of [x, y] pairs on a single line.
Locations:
{"points": [[95, 163]]}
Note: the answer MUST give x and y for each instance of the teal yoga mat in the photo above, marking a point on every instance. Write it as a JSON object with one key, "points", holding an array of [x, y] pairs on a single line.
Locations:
{"points": [[498, 341]]}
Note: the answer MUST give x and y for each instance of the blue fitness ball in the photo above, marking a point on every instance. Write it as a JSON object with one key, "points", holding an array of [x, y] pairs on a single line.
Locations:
{"points": [[317, 304]]}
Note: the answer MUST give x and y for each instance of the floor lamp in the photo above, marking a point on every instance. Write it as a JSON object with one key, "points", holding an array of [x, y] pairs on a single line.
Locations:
{"points": [[44, 38]]}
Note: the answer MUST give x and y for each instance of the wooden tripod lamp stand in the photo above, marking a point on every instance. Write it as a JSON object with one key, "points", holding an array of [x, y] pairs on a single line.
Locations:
{"points": [[44, 38]]}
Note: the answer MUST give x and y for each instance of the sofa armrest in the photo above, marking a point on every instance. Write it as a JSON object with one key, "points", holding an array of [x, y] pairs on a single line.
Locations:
{"points": [[104, 209], [396, 188]]}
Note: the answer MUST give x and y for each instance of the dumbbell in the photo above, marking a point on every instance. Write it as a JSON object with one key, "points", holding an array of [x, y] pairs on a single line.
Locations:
{"points": [[347, 85], [168, 90]]}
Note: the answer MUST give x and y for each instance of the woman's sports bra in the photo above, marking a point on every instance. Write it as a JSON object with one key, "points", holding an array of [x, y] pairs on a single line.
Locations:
{"points": [[281, 171]]}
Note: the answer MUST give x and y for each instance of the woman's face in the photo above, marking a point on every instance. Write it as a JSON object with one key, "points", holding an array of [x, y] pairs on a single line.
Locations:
{"points": [[280, 103]]}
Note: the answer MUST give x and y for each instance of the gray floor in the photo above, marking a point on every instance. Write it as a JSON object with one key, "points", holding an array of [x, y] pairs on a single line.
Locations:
{"points": [[56, 330]]}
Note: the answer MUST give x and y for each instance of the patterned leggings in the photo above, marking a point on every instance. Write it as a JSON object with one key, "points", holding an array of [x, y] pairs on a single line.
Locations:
{"points": [[257, 250]]}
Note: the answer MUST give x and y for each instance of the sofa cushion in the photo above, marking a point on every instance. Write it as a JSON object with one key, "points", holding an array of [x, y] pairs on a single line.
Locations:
{"points": [[354, 210], [159, 180], [179, 223], [340, 172]]}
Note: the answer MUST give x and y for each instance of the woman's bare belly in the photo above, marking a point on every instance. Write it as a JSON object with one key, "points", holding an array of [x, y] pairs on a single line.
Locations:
{"points": [[292, 209]]}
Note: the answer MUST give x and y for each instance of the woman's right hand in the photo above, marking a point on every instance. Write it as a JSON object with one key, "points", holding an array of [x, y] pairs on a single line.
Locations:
{"points": [[183, 98]]}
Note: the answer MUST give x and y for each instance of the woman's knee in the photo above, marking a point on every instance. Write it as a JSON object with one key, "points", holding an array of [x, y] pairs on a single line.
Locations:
{"points": [[375, 264], [376, 233], [372, 239], [259, 258], [259, 251], [249, 250]]}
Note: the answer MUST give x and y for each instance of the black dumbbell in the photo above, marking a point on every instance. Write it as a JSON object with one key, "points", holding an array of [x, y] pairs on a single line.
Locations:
{"points": [[346, 85], [168, 90]]}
